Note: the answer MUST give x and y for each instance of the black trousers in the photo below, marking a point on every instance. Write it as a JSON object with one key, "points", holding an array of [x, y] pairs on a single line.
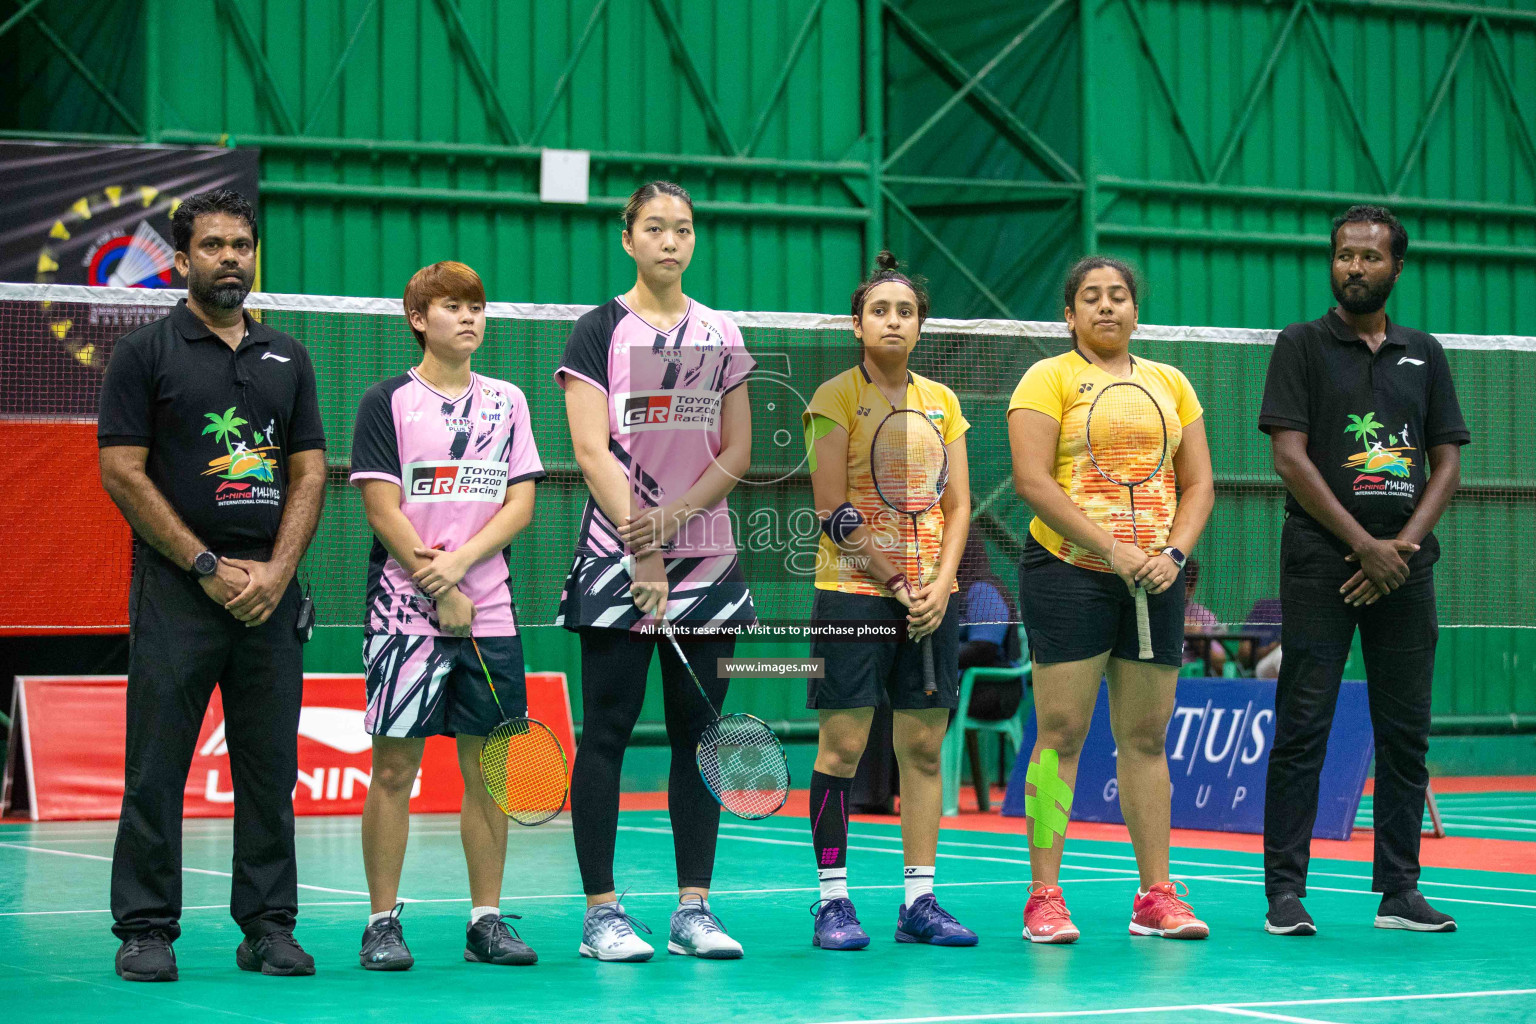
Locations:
{"points": [[614, 665], [1397, 637], [180, 645]]}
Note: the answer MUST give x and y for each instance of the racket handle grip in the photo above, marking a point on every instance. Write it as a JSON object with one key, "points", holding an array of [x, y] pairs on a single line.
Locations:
{"points": [[1143, 625], [929, 686]]}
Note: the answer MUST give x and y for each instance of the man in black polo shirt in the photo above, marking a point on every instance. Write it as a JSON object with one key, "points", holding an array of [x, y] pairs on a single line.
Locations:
{"points": [[212, 447], [1355, 406]]}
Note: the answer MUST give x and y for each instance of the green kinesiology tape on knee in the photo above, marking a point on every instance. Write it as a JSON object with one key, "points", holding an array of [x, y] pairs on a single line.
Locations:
{"points": [[1051, 801], [816, 427]]}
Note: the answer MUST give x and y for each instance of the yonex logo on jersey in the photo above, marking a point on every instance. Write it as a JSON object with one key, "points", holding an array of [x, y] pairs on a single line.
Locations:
{"points": [[668, 410], [413, 416], [1083, 389], [457, 481]]}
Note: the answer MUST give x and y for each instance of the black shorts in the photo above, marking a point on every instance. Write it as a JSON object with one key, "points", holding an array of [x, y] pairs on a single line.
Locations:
{"points": [[856, 671], [1071, 613], [434, 685]]}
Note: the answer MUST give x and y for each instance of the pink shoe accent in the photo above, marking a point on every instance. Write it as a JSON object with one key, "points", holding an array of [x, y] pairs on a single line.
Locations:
{"points": [[1161, 911], [1046, 917]]}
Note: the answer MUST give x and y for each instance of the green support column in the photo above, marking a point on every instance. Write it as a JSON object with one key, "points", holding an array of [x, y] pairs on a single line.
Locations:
{"points": [[874, 124], [151, 70], [1090, 201]]}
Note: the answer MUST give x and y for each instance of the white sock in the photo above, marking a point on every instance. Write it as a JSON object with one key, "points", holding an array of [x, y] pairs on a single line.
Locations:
{"points": [[477, 913], [834, 883], [919, 881], [381, 915]]}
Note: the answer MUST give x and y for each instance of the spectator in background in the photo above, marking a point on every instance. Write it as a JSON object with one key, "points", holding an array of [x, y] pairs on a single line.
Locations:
{"points": [[1261, 655], [988, 635], [1200, 620]]}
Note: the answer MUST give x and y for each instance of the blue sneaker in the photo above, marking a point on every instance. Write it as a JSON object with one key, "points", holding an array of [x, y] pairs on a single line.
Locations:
{"points": [[926, 921], [836, 925]]}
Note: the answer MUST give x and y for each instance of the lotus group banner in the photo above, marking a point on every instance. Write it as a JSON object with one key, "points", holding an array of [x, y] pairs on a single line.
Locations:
{"points": [[1218, 753], [69, 779]]}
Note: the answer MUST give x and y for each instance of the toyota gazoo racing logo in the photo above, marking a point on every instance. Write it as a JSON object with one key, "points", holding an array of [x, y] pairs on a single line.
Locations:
{"points": [[668, 410], [456, 481], [339, 729]]}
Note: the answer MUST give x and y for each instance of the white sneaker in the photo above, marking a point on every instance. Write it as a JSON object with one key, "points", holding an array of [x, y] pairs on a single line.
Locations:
{"points": [[696, 931], [607, 933]]}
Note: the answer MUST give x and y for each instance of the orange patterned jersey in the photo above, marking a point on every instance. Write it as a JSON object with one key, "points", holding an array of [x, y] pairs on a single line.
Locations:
{"points": [[851, 401], [1063, 388]]}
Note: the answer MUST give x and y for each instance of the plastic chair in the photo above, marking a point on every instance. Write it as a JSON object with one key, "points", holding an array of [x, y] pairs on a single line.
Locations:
{"points": [[954, 741]]}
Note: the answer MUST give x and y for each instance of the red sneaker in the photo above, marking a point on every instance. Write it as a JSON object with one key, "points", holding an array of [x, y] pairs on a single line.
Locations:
{"points": [[1161, 910], [1046, 917]]}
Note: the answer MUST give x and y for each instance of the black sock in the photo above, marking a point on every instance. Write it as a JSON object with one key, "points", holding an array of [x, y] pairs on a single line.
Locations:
{"points": [[829, 820]]}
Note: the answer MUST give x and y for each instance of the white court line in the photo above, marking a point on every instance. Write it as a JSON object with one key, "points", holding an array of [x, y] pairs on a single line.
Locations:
{"points": [[1460, 817], [140, 991], [1185, 1007], [1368, 892], [1260, 1014], [1071, 855], [668, 893], [195, 871], [1450, 823]]}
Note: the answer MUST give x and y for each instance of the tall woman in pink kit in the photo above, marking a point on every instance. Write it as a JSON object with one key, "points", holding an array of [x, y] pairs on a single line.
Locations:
{"points": [[656, 395]]}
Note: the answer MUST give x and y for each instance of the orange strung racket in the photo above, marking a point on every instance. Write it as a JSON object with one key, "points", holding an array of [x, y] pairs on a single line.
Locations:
{"points": [[523, 765], [1128, 442]]}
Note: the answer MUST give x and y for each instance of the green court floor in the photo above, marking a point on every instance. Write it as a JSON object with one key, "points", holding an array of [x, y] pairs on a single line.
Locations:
{"points": [[56, 950], [1494, 814]]}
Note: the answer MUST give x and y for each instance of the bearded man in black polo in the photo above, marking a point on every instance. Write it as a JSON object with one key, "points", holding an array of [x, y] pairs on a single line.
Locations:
{"points": [[1366, 433], [212, 448]]}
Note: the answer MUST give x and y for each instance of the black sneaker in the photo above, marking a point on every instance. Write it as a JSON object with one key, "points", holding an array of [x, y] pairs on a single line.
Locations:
{"points": [[146, 956], [1410, 911], [1287, 916], [274, 953], [384, 946], [488, 940]]}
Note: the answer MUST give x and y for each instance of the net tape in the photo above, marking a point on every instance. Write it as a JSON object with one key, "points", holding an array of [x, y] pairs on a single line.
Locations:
{"points": [[56, 340]]}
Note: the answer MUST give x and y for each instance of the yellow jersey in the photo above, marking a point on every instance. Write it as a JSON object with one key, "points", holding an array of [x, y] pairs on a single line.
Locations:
{"points": [[854, 402], [1064, 387]]}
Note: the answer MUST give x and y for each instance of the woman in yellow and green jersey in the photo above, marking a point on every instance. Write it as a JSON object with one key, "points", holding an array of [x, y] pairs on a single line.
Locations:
{"points": [[868, 571], [1078, 610]]}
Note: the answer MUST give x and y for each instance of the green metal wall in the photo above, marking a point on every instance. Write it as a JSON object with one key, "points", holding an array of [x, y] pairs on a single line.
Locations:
{"points": [[1208, 140], [1211, 141], [398, 133]]}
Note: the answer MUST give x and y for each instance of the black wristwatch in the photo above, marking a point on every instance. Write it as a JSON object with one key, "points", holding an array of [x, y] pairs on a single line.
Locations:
{"points": [[1178, 556], [204, 565]]}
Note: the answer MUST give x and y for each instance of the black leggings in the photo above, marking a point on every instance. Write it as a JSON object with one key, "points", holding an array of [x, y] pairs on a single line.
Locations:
{"points": [[614, 664]]}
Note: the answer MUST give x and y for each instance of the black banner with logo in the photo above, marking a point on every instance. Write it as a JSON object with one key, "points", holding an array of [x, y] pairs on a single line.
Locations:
{"points": [[101, 215]]}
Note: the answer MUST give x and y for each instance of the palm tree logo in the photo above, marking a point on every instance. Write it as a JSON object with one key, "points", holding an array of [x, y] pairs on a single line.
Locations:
{"points": [[1375, 458], [1363, 427], [241, 461]]}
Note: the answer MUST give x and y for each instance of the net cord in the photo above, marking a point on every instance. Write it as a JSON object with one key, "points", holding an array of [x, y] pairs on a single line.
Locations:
{"points": [[300, 303]]}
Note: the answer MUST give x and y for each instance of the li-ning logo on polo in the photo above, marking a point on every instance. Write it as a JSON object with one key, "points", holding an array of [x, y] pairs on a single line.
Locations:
{"points": [[274, 355], [1411, 361]]}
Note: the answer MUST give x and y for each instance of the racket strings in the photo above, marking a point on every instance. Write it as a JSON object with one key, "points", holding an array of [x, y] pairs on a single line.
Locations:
{"points": [[907, 462], [744, 766], [525, 771], [1127, 438]]}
